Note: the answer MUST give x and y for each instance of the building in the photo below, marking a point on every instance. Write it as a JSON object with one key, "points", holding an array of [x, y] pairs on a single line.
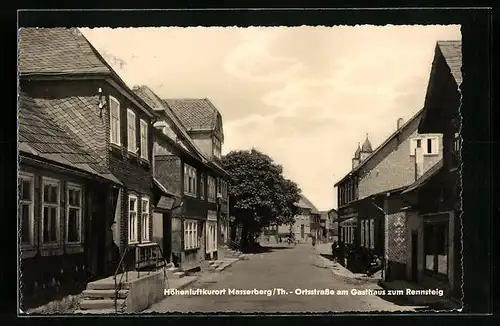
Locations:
{"points": [[59, 187], [203, 123], [332, 225], [376, 180], [63, 76], [307, 213], [434, 232], [190, 232]]}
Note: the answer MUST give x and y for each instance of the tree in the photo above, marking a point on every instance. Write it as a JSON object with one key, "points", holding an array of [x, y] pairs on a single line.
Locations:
{"points": [[259, 194]]}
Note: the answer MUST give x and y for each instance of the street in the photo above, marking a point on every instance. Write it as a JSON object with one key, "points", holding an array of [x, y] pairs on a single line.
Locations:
{"points": [[279, 267]]}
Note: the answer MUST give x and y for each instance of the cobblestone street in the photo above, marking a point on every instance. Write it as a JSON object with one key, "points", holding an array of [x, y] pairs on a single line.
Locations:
{"points": [[287, 268]]}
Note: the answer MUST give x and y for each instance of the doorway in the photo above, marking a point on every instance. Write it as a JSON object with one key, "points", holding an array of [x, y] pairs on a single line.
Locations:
{"points": [[96, 258], [302, 231], [167, 236], [414, 256]]}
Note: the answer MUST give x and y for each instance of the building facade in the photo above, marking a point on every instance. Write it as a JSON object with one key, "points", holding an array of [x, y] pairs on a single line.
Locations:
{"points": [[434, 234], [79, 92], [366, 221], [190, 234]]}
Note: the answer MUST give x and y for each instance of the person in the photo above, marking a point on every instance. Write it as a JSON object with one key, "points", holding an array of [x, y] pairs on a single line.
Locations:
{"points": [[314, 241], [334, 250], [375, 266]]}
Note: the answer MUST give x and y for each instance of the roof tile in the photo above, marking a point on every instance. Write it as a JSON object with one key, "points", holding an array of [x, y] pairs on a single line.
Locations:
{"points": [[57, 50], [195, 114], [452, 53]]}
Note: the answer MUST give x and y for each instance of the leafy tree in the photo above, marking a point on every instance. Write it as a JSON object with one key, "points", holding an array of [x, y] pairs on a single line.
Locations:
{"points": [[259, 194]]}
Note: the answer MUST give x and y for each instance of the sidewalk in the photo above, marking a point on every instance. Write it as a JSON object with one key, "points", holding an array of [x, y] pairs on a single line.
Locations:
{"points": [[325, 249], [435, 302]]}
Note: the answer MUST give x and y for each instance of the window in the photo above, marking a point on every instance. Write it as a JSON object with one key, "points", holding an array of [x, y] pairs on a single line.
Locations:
{"points": [[224, 189], [431, 145], [419, 143], [131, 132], [189, 180], [436, 248], [26, 208], [74, 214], [144, 139], [363, 233], [145, 219], [211, 189], [191, 235], [216, 147], [132, 219], [50, 211], [202, 186], [114, 117]]}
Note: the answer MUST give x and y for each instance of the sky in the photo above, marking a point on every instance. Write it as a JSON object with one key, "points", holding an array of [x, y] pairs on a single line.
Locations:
{"points": [[305, 96]]}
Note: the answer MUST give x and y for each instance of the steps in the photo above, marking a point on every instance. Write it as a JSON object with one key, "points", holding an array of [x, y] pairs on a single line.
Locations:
{"points": [[99, 297]]}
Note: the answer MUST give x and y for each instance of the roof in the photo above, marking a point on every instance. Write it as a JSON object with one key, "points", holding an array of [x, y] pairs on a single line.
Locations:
{"points": [[195, 114], [367, 145], [155, 102], [357, 153], [306, 203], [52, 52], [164, 189], [41, 136], [452, 53], [57, 51], [378, 149], [425, 177]]}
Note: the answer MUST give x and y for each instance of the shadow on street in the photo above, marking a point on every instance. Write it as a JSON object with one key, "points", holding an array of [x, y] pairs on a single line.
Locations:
{"points": [[262, 249]]}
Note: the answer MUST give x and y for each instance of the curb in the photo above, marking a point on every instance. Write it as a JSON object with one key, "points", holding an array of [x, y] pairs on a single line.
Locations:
{"points": [[184, 285], [345, 277]]}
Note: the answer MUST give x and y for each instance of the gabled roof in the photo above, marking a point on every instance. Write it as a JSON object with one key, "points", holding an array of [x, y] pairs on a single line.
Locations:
{"points": [[452, 53], [306, 203], [62, 52], [391, 137], [195, 114], [57, 51], [41, 136], [158, 104]]}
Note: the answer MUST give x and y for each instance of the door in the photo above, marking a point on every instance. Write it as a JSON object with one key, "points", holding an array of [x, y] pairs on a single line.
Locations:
{"points": [[414, 256], [167, 236], [302, 231]]}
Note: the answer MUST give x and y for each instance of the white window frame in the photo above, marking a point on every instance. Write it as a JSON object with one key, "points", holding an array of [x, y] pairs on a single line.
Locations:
{"points": [[112, 127], [190, 180], [144, 139], [74, 186], [57, 206], [191, 235], [131, 145], [132, 236], [24, 176], [434, 146], [145, 219]]}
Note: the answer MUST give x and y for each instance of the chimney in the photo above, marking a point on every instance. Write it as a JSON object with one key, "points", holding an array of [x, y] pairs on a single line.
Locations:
{"points": [[400, 123], [419, 162]]}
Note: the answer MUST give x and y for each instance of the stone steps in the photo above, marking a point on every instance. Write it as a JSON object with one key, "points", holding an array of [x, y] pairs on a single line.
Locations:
{"points": [[104, 294], [99, 304]]}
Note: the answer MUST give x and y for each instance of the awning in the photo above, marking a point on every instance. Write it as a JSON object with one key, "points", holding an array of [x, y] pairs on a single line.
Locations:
{"points": [[425, 177], [164, 189], [353, 221]]}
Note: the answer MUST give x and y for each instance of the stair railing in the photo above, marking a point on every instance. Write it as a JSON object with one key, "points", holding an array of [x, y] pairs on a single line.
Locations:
{"points": [[118, 284]]}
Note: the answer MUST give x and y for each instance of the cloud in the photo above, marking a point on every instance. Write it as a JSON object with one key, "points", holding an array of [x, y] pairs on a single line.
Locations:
{"points": [[304, 95]]}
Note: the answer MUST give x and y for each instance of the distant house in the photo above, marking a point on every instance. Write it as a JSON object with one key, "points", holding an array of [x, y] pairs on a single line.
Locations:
{"points": [[434, 231], [307, 215], [332, 224], [191, 232], [86, 117], [369, 195]]}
